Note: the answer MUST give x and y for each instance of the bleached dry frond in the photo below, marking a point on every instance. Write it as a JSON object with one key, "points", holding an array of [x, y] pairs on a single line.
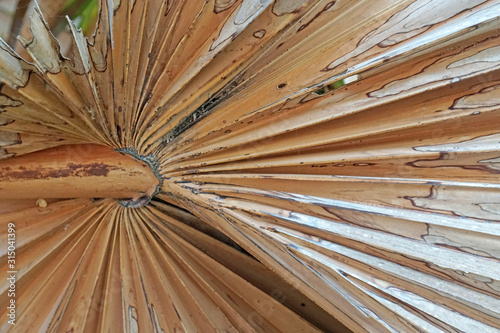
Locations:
{"points": [[350, 147]]}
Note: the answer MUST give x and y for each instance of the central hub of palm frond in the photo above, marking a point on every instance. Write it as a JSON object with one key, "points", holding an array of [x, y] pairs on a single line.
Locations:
{"points": [[142, 198]]}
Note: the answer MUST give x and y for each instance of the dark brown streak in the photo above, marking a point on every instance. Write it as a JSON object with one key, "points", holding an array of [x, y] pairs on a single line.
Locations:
{"points": [[327, 7], [443, 156], [72, 170]]}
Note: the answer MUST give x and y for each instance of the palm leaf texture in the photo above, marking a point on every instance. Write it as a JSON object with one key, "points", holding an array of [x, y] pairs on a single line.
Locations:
{"points": [[324, 166]]}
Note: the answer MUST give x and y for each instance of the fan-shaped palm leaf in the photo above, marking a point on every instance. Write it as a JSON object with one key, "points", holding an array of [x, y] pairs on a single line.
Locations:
{"points": [[296, 165]]}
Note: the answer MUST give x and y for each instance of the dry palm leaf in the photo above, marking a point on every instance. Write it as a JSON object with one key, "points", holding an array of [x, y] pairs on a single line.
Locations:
{"points": [[351, 147]]}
